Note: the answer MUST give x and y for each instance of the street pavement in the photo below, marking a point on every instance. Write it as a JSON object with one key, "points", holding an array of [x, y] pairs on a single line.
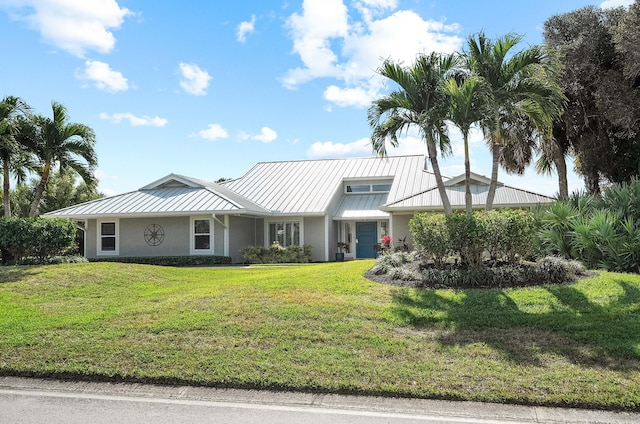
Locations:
{"points": [[35, 400]]}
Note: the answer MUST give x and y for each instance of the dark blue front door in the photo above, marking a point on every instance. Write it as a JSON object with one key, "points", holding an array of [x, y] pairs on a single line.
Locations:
{"points": [[367, 236]]}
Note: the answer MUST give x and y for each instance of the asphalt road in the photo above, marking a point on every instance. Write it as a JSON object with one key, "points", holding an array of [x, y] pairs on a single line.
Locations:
{"points": [[27, 401]]}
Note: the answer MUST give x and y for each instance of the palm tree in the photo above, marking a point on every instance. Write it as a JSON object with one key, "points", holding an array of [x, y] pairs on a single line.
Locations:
{"points": [[524, 92], [418, 102], [11, 153], [553, 155], [56, 142], [468, 98]]}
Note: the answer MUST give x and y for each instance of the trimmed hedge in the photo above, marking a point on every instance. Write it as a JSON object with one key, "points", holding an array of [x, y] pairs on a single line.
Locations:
{"points": [[196, 260], [39, 238], [502, 236]]}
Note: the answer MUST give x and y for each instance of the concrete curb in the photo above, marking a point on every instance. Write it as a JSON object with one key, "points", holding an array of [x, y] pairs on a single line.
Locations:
{"points": [[475, 411]]}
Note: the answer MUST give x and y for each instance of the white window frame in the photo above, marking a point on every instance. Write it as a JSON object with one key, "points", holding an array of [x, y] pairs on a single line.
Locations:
{"points": [[99, 237], [292, 220], [192, 235]]}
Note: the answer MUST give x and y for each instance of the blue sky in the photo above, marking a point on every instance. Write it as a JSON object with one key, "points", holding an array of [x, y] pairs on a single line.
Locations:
{"points": [[209, 88]]}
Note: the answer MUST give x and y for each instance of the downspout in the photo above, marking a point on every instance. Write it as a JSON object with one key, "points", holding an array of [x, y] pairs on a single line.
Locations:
{"points": [[326, 237], [226, 235]]}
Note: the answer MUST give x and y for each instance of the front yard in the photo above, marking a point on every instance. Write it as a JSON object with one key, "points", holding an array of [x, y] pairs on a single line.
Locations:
{"points": [[323, 327]]}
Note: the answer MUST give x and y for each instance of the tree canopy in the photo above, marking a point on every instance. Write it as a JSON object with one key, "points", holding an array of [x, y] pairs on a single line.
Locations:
{"points": [[601, 122]]}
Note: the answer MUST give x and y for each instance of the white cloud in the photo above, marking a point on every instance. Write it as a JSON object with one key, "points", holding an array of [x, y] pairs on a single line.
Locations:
{"points": [[334, 42], [136, 121], [609, 4], [246, 27], [194, 80], [329, 149], [103, 76], [213, 132], [344, 97], [267, 135], [73, 26]]}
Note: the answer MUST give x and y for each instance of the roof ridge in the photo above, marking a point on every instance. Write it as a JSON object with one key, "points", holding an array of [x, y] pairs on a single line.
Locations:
{"points": [[337, 159]]}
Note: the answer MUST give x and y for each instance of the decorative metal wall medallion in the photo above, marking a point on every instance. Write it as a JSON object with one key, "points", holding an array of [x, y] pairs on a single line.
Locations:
{"points": [[154, 235]]}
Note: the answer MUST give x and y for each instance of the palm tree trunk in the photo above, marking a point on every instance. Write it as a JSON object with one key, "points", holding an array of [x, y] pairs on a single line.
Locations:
{"points": [[468, 201], [35, 205], [6, 191], [495, 151], [431, 147], [561, 168]]}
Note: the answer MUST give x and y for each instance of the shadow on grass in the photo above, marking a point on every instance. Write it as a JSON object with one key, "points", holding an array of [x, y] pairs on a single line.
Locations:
{"points": [[584, 332], [13, 274]]}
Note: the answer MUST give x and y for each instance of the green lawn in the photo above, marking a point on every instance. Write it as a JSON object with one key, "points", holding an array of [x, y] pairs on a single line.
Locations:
{"points": [[323, 327]]}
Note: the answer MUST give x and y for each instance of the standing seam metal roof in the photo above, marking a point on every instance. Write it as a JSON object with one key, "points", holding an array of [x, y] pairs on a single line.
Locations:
{"points": [[309, 187]]}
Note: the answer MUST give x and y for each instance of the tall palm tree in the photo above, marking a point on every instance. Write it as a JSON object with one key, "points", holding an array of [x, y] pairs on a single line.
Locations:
{"points": [[524, 92], [11, 153], [57, 142], [468, 99], [418, 102]]}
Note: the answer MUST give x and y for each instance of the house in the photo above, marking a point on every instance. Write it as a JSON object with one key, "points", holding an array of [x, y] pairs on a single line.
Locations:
{"points": [[313, 202]]}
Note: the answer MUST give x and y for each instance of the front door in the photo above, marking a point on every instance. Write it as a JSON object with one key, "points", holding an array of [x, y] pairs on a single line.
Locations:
{"points": [[367, 236]]}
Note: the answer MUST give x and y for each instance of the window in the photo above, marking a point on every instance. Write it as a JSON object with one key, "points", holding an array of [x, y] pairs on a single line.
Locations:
{"points": [[107, 237], [381, 188], [201, 236], [368, 188], [285, 233], [358, 188]]}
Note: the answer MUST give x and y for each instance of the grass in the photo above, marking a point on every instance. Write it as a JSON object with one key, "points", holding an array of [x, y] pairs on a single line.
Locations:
{"points": [[325, 328]]}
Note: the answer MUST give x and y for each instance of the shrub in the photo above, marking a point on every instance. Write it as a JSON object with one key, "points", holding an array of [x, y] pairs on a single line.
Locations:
{"points": [[550, 270], [276, 254], [467, 235], [431, 236], [603, 232], [36, 237], [195, 260], [508, 234]]}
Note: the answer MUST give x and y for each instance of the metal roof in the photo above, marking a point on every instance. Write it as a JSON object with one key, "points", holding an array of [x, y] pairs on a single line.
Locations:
{"points": [[505, 197], [310, 187], [361, 206], [176, 195]]}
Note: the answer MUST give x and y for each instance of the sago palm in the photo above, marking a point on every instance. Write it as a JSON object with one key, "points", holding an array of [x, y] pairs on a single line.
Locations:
{"points": [[419, 103]]}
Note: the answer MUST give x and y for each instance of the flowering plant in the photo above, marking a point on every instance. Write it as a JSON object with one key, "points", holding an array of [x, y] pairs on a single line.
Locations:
{"points": [[343, 245]]}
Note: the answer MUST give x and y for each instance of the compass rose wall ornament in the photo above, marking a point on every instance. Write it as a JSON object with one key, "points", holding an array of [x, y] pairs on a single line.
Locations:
{"points": [[154, 235]]}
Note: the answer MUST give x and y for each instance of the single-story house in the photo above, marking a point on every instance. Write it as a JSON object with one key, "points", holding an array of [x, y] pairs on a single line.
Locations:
{"points": [[313, 202]]}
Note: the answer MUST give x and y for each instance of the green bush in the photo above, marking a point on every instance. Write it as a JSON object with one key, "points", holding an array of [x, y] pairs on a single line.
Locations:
{"points": [[508, 234], [467, 237], [39, 238], [195, 260], [431, 236], [276, 254], [504, 235], [549, 270], [603, 232]]}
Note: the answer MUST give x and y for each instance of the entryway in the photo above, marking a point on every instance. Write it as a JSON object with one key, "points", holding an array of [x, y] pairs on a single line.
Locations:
{"points": [[367, 236]]}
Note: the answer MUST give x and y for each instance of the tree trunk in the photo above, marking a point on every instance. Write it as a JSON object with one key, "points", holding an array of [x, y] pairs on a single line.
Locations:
{"points": [[35, 205], [431, 147], [495, 151], [561, 168], [6, 192], [468, 200]]}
